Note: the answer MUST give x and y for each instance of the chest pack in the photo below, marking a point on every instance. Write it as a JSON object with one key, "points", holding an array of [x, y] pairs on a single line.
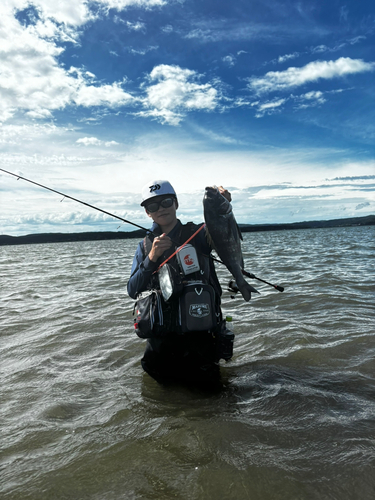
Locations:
{"points": [[194, 310], [197, 307], [179, 299]]}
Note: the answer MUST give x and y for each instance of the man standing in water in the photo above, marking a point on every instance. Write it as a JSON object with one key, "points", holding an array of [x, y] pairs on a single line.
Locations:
{"points": [[173, 354]]}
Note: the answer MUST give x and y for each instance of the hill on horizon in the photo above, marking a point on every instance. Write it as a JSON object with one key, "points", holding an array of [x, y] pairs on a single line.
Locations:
{"points": [[139, 233]]}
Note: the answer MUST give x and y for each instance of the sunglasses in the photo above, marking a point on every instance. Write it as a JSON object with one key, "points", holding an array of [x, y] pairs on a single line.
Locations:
{"points": [[154, 207]]}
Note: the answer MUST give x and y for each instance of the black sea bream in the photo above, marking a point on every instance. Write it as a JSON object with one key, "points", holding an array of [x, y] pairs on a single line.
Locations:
{"points": [[225, 236]]}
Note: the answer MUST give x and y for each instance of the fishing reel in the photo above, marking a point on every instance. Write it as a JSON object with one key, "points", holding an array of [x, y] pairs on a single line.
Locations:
{"points": [[232, 287]]}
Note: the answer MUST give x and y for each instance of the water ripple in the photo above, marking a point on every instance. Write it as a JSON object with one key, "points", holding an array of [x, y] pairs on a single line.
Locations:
{"points": [[80, 419]]}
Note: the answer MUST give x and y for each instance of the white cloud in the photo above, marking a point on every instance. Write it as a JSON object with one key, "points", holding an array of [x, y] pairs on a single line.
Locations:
{"points": [[104, 95], [12, 160], [216, 30], [339, 46], [308, 100], [269, 107], [94, 141], [68, 12], [356, 39], [167, 29], [86, 177], [230, 60], [175, 92], [12, 134], [123, 4], [77, 12], [287, 57], [89, 141], [144, 51], [294, 77], [315, 94], [320, 48], [138, 26], [32, 81], [217, 137], [272, 104], [39, 114]]}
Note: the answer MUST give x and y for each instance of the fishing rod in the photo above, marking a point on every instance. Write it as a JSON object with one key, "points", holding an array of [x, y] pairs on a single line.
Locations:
{"points": [[245, 273], [75, 199], [252, 276], [233, 287]]}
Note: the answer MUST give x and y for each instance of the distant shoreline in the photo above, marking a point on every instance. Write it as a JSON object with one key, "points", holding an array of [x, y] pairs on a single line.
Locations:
{"points": [[140, 233]]}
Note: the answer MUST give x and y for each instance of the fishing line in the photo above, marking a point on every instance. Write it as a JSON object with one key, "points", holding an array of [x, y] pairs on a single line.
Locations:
{"points": [[245, 273]]}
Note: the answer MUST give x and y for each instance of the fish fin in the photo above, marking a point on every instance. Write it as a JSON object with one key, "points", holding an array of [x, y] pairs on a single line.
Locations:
{"points": [[246, 290], [239, 232], [235, 230], [210, 241]]}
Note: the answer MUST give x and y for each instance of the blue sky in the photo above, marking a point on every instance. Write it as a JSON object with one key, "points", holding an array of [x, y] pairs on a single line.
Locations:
{"points": [[273, 99]]}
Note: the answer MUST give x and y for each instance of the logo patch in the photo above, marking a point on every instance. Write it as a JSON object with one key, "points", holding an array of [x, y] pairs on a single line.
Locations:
{"points": [[188, 260], [199, 310], [155, 187]]}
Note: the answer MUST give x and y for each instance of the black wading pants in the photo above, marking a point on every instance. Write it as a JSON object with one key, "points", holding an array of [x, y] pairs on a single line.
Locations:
{"points": [[188, 358]]}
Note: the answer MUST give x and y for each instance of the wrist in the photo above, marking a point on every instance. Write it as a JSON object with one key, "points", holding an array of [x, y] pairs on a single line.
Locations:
{"points": [[152, 257]]}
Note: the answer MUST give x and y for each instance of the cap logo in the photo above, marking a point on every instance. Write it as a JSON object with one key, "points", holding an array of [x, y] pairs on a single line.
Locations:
{"points": [[155, 187]]}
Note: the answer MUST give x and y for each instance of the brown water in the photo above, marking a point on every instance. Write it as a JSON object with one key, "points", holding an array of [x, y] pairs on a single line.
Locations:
{"points": [[295, 420]]}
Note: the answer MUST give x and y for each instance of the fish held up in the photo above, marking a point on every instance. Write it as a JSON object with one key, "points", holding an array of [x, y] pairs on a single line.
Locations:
{"points": [[225, 237]]}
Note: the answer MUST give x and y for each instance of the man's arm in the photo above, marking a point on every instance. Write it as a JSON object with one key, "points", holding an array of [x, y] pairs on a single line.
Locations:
{"points": [[141, 273]]}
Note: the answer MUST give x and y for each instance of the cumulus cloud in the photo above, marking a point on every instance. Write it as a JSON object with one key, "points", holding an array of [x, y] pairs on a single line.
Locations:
{"points": [[77, 12], [172, 91], [89, 141], [94, 141], [102, 95], [317, 70], [68, 13], [32, 80]]}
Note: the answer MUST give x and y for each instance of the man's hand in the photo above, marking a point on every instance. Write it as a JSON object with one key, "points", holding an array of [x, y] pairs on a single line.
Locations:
{"points": [[225, 193], [159, 246]]}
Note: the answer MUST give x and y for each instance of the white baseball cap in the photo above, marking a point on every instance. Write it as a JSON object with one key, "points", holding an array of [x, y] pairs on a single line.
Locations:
{"points": [[156, 188]]}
